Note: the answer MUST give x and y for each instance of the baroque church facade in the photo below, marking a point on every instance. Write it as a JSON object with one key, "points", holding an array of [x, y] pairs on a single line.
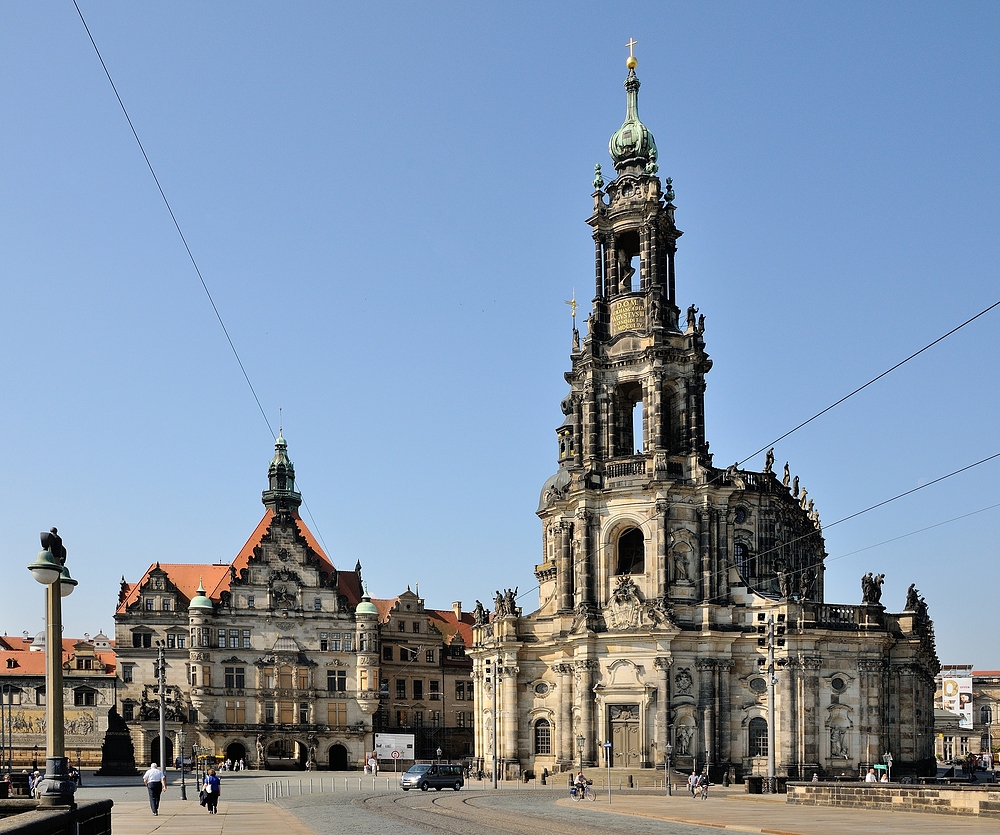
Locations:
{"points": [[664, 579]]}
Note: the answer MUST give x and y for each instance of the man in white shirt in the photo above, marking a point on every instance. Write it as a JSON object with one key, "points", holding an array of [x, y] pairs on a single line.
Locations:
{"points": [[155, 782], [871, 778]]}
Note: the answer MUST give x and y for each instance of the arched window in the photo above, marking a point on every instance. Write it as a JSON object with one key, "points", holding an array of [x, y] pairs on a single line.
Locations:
{"points": [[741, 558], [543, 737], [758, 737], [986, 715], [285, 678], [631, 552]]}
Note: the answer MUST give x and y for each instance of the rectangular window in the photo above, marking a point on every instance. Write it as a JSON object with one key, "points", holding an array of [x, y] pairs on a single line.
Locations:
{"points": [[460, 718], [234, 638], [435, 717], [435, 691], [149, 604], [246, 639], [416, 626], [318, 604], [127, 673], [251, 602], [235, 678], [324, 642], [268, 713], [128, 711], [84, 698], [401, 626], [171, 641], [336, 681], [194, 676], [181, 641], [335, 641], [418, 718], [430, 656], [400, 688], [402, 719], [337, 714], [418, 689], [222, 638], [363, 679], [286, 713], [267, 678], [387, 653], [303, 713], [348, 645], [460, 691], [236, 712], [206, 676], [10, 695], [166, 604], [303, 678], [285, 678]]}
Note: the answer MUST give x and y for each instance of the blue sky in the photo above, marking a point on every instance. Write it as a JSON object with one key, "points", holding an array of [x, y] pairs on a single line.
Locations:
{"points": [[388, 206]]}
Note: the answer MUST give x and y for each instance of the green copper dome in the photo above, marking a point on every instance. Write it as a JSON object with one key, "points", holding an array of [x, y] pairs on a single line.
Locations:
{"points": [[632, 147], [200, 602], [366, 607]]}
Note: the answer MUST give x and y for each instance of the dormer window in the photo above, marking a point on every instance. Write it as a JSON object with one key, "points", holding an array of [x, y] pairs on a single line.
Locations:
{"points": [[11, 663]]}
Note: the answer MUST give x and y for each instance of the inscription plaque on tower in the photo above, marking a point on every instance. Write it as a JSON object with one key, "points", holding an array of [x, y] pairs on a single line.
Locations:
{"points": [[628, 314]]}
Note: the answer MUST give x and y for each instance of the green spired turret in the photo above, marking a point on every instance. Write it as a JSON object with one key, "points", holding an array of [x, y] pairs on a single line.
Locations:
{"points": [[632, 148]]}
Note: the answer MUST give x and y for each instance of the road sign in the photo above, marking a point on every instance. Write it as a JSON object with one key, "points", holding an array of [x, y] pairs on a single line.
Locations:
{"points": [[394, 755]]}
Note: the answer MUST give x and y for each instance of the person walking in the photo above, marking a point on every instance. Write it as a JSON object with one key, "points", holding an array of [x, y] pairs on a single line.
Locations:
{"points": [[693, 783], [155, 782], [212, 786]]}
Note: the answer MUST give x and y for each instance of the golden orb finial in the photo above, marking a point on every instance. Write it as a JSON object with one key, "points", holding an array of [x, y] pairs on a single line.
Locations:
{"points": [[631, 62]]}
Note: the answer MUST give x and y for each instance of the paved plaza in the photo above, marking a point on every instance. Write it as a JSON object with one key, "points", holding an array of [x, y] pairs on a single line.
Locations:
{"points": [[363, 806]]}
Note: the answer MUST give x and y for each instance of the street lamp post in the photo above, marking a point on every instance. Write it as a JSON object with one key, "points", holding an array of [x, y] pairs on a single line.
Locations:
{"points": [[180, 747], [579, 747], [668, 751], [49, 569]]}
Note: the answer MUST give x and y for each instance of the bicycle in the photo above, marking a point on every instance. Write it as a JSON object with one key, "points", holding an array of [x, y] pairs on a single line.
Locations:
{"points": [[584, 792], [704, 790]]}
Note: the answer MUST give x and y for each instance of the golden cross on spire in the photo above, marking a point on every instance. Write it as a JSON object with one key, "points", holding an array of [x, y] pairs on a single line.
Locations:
{"points": [[631, 42], [572, 306]]}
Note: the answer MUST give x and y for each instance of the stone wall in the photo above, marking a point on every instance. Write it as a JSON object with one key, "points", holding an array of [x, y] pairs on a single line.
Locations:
{"points": [[980, 801]]}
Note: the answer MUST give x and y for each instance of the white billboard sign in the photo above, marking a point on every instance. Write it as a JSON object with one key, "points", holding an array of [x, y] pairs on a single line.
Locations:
{"points": [[394, 746]]}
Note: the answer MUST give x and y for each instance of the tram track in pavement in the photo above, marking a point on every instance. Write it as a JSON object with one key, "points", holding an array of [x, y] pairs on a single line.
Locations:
{"points": [[467, 814]]}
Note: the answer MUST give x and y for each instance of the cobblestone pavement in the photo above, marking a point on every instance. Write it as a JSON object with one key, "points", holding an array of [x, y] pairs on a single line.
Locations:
{"points": [[362, 806]]}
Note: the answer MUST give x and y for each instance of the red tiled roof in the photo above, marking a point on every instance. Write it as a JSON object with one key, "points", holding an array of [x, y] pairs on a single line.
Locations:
{"points": [[384, 607], [449, 625], [985, 673], [217, 577]]}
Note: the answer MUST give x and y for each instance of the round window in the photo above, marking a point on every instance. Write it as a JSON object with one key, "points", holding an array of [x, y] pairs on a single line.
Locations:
{"points": [[541, 688], [838, 684], [758, 685], [741, 515]]}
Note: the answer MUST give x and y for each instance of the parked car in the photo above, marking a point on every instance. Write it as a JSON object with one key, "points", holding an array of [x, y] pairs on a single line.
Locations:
{"points": [[435, 776]]}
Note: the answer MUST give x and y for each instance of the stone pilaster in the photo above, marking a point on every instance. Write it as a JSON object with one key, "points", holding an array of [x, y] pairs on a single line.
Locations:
{"points": [[585, 695], [706, 706]]}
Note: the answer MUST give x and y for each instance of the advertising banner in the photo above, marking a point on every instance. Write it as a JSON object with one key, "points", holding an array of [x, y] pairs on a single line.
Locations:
{"points": [[957, 698]]}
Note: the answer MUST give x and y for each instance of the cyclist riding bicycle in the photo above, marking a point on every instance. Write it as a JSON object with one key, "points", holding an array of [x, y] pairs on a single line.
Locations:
{"points": [[703, 786]]}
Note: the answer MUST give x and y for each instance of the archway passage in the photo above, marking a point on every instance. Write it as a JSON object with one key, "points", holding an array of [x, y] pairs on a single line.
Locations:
{"points": [[235, 752], [338, 758], [287, 754], [154, 752]]}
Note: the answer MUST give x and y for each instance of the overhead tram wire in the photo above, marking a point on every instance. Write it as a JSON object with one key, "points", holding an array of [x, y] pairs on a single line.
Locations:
{"points": [[187, 248], [870, 382]]}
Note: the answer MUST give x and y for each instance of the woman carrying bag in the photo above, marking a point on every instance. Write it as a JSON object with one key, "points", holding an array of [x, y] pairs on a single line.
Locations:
{"points": [[210, 789]]}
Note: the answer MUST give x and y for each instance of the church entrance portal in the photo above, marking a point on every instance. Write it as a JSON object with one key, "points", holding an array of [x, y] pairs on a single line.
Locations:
{"points": [[625, 738], [338, 758]]}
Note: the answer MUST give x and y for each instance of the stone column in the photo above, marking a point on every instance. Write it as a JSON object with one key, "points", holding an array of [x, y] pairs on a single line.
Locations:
{"points": [[598, 265], [616, 278], [661, 530], [565, 576], [585, 693], [591, 422], [724, 710], [584, 561], [706, 706], [654, 263], [564, 730], [661, 732], [810, 707], [508, 714]]}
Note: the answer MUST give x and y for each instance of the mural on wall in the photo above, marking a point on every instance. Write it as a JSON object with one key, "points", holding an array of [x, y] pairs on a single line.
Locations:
{"points": [[32, 721]]}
